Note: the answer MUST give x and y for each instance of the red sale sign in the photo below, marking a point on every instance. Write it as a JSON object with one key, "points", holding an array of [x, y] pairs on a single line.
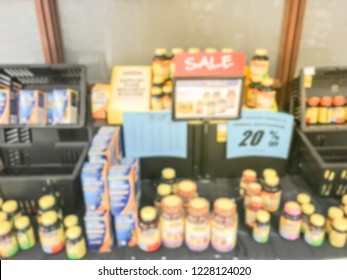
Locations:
{"points": [[209, 64]]}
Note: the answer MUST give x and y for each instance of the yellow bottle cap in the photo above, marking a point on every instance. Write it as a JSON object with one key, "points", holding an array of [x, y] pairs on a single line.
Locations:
{"points": [[22, 222], [156, 91], [227, 50], [249, 173], [49, 218], [308, 209], [46, 202], [261, 52], [164, 189], [73, 232], [175, 51], [267, 82], [168, 173], [5, 228], [193, 50], [344, 200], [70, 221], [224, 204], [335, 213], [10, 206], [172, 201], [160, 51], [199, 203], [340, 224], [317, 220], [3, 216], [158, 80], [148, 213], [303, 198], [210, 50], [187, 186], [269, 171], [272, 181], [263, 216], [167, 89]]}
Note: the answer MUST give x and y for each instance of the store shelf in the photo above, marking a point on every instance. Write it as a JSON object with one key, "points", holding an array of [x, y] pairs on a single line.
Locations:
{"points": [[276, 248]]}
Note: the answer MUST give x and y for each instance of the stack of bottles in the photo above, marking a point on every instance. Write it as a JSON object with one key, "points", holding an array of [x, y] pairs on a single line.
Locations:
{"points": [[37, 107], [326, 110]]}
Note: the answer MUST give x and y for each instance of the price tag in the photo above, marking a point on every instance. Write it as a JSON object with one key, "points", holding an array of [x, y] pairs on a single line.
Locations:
{"points": [[260, 134]]}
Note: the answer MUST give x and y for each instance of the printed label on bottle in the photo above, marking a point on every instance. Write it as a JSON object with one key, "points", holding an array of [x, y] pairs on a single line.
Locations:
{"points": [[337, 239], [52, 242], [223, 238], [312, 115], [250, 217], [289, 229], [339, 115], [271, 201], [314, 236], [8, 246], [156, 103], [261, 233], [26, 240], [172, 232], [197, 235], [149, 239], [252, 97], [77, 250], [259, 68], [265, 100]]}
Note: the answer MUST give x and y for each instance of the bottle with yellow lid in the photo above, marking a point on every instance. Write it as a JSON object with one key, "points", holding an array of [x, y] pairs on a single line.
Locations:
{"points": [[25, 233], [172, 221], [224, 225], [303, 198], [193, 50], [338, 112], [252, 92], [8, 242], [168, 176], [254, 206], [248, 176], [3, 216], [266, 97], [259, 65], [76, 247], [252, 189], [70, 221], [48, 203], [174, 52], [160, 64], [167, 93], [156, 99], [51, 233], [315, 232], [311, 113], [325, 110], [338, 233], [227, 50], [290, 221], [149, 233], [187, 190], [271, 193], [333, 214], [210, 50], [158, 82], [162, 191], [197, 230], [269, 172], [307, 210], [10, 207], [262, 227]]}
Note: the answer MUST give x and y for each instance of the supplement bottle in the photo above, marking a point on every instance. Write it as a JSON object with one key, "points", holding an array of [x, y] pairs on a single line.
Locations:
{"points": [[174, 52], [303, 198], [252, 92], [3, 217], [172, 221], [197, 228], [8, 242], [252, 189], [12, 211], [255, 204], [76, 247], [307, 210], [311, 114], [271, 193], [339, 109], [160, 64], [315, 232], [25, 233], [51, 233], [248, 176], [149, 233], [224, 225], [259, 65], [261, 229], [269, 172], [187, 190], [290, 221], [334, 213], [167, 91], [162, 191], [48, 203], [338, 233], [325, 110], [156, 99], [168, 176], [70, 221], [266, 96]]}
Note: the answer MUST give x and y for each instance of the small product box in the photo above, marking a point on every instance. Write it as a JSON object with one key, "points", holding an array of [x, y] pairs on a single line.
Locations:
{"points": [[99, 231], [32, 107], [135, 162], [126, 232], [100, 97], [65, 110], [94, 187], [4, 106], [50, 106], [14, 96]]}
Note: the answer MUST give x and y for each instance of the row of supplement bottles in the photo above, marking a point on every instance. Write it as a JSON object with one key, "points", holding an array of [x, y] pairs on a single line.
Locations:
{"points": [[326, 110], [52, 236]]}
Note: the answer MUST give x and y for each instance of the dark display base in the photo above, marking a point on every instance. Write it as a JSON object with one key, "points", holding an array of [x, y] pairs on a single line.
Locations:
{"points": [[247, 248]]}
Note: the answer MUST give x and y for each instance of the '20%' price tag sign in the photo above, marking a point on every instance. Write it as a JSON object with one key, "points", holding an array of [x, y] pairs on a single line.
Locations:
{"points": [[260, 134]]}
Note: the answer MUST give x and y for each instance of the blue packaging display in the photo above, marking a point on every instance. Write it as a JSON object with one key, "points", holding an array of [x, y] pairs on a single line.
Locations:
{"points": [[65, 106], [14, 107], [136, 164], [32, 107], [50, 106], [125, 230]]}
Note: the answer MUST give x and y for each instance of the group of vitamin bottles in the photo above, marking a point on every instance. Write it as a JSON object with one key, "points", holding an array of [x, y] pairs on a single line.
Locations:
{"points": [[162, 73], [16, 230], [260, 94], [326, 110], [180, 216]]}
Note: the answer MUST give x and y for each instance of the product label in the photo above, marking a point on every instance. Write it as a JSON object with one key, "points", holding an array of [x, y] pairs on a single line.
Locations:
{"points": [[156, 103], [197, 236], [8, 246], [172, 232], [252, 97], [261, 233], [250, 217], [265, 100], [314, 236], [26, 240], [271, 201], [149, 238], [312, 115], [338, 115], [290, 229], [337, 239], [224, 235], [52, 241], [259, 68], [76, 251]]}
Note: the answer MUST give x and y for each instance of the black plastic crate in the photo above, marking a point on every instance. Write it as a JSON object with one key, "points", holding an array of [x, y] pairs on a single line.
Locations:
{"points": [[27, 171], [326, 81], [322, 159], [47, 77]]}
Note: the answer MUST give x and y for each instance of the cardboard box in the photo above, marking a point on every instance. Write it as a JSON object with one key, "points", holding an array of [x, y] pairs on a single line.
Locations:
{"points": [[32, 107], [65, 108], [99, 100], [126, 231]]}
